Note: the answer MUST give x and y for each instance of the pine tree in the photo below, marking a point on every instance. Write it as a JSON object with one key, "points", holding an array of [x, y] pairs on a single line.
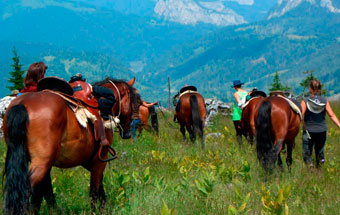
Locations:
{"points": [[305, 83], [17, 78], [276, 84]]}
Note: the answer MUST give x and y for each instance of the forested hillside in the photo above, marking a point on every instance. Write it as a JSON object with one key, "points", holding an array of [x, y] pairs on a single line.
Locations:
{"points": [[306, 38]]}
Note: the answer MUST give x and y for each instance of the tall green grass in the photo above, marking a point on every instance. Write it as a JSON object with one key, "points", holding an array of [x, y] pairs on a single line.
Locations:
{"points": [[167, 175]]}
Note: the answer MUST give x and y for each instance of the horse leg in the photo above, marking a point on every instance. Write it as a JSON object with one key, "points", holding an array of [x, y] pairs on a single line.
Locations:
{"points": [[41, 183], [192, 133], [251, 140], [182, 129], [96, 186], [289, 159], [279, 161], [201, 134]]}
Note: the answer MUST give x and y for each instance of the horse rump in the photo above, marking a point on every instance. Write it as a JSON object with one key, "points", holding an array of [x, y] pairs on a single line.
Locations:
{"points": [[17, 185]]}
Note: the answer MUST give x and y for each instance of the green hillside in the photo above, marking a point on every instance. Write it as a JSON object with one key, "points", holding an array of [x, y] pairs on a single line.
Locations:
{"points": [[63, 63], [290, 44]]}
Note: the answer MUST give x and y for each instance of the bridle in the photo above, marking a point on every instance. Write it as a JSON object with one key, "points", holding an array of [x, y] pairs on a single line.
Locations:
{"points": [[119, 107], [120, 104]]}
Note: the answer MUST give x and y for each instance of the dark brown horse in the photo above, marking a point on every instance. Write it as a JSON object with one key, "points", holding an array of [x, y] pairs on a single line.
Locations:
{"points": [[248, 114], [144, 114], [41, 129], [276, 125], [192, 115]]}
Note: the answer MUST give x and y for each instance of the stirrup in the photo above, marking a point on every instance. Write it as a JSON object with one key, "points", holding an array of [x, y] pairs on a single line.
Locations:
{"points": [[104, 143]]}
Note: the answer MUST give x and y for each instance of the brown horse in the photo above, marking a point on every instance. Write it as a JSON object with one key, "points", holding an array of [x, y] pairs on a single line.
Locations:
{"points": [[192, 115], [144, 114], [248, 114], [41, 129], [276, 125]]}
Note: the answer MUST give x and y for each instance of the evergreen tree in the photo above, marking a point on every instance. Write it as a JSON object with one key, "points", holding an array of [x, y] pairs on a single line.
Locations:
{"points": [[17, 78], [305, 83], [276, 84]]}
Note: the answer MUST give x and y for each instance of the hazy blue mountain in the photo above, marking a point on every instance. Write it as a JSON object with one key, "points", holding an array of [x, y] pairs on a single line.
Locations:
{"points": [[216, 12], [304, 38], [80, 29]]}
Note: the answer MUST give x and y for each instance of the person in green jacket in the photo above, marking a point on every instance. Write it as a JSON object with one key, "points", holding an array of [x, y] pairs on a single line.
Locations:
{"points": [[240, 97]]}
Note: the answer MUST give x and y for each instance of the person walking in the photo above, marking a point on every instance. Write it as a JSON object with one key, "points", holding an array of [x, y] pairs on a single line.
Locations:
{"points": [[314, 109], [240, 97], [135, 119]]}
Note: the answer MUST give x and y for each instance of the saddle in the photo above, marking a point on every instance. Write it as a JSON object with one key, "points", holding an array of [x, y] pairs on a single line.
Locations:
{"points": [[79, 98], [79, 101], [83, 92]]}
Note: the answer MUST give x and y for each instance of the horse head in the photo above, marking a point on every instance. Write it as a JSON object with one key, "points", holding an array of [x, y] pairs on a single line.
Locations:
{"points": [[125, 99]]}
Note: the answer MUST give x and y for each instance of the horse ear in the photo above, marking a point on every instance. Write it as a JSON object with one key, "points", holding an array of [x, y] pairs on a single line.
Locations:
{"points": [[131, 82]]}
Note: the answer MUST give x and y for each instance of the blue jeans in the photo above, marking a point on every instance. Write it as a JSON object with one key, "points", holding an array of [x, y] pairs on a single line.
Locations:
{"points": [[134, 125]]}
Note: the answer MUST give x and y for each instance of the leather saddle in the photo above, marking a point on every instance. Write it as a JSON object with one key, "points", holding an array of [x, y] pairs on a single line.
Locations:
{"points": [[79, 94]]}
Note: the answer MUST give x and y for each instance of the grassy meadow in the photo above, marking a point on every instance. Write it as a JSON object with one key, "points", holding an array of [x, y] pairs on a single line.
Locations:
{"points": [[166, 175]]}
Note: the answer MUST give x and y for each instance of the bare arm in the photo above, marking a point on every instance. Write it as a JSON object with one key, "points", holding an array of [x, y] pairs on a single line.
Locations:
{"points": [[304, 107], [237, 98], [149, 104], [332, 115]]}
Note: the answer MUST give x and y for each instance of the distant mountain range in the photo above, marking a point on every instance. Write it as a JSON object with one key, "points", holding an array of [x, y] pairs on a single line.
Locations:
{"points": [[154, 39], [59, 30], [304, 37], [216, 12]]}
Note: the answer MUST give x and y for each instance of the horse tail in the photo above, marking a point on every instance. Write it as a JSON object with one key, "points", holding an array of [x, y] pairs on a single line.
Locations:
{"points": [[17, 185], [196, 118], [264, 134], [154, 118]]}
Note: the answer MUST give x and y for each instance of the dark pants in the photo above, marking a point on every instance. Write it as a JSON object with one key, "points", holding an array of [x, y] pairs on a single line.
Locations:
{"points": [[106, 100], [317, 141], [240, 131], [134, 126]]}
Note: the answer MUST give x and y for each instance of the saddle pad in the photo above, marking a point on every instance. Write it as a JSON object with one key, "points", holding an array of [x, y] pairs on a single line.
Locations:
{"points": [[80, 111], [186, 92], [247, 102], [82, 115], [292, 105]]}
